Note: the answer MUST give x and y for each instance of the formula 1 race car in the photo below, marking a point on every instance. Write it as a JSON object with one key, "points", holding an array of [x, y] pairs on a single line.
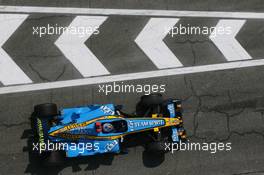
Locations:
{"points": [[98, 129]]}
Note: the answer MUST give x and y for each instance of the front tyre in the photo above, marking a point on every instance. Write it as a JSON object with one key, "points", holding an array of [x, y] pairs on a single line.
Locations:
{"points": [[149, 104], [157, 147]]}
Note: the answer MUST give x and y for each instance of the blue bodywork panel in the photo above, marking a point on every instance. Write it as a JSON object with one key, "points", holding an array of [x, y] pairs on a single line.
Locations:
{"points": [[92, 147], [171, 108]]}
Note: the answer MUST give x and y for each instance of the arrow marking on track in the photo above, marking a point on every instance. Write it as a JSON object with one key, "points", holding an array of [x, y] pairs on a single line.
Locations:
{"points": [[227, 43], [150, 40], [10, 73], [74, 49]]}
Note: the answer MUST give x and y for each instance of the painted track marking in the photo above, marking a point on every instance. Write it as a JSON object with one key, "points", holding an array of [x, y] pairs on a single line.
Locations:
{"points": [[131, 76]]}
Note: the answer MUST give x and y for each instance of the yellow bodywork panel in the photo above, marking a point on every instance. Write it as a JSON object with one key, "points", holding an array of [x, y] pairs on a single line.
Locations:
{"points": [[155, 116], [76, 125], [168, 122]]}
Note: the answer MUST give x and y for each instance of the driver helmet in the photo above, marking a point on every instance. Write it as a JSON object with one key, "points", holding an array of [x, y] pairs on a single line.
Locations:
{"points": [[108, 127]]}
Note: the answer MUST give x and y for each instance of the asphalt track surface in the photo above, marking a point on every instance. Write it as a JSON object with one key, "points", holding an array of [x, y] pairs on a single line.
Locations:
{"points": [[221, 106]]}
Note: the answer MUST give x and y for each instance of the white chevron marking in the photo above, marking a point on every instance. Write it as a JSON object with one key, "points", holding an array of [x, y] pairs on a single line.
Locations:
{"points": [[73, 46], [227, 43], [150, 40], [10, 73]]}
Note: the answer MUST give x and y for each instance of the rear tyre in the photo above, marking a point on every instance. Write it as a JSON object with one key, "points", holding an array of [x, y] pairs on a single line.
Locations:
{"points": [[42, 119], [46, 110], [54, 158]]}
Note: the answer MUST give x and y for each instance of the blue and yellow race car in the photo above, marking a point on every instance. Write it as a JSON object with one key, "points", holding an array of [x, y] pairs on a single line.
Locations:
{"points": [[98, 129]]}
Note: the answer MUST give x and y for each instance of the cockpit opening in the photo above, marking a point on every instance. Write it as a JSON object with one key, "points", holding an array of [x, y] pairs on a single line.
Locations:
{"points": [[114, 126]]}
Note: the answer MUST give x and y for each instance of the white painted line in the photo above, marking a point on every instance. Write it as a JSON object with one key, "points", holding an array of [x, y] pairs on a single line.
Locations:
{"points": [[137, 12], [72, 45], [131, 76], [226, 41], [10, 73], [150, 40]]}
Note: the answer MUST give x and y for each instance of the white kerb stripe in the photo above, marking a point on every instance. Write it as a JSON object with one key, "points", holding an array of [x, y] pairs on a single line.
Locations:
{"points": [[137, 12], [132, 76]]}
